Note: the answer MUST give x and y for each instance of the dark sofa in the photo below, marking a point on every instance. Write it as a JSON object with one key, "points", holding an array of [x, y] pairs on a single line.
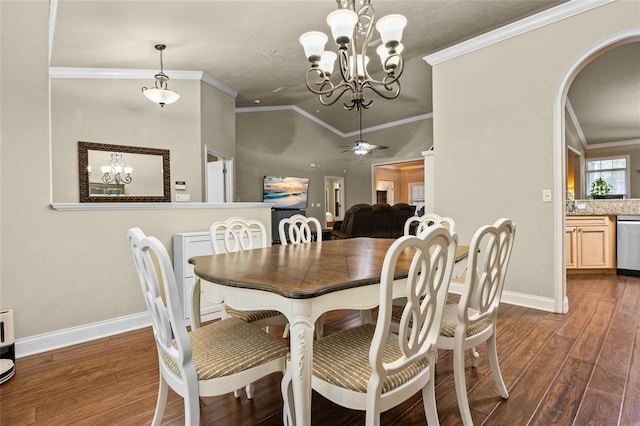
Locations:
{"points": [[377, 221]]}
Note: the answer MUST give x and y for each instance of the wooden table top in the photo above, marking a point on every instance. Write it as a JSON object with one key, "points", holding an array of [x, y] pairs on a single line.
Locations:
{"points": [[300, 271]]}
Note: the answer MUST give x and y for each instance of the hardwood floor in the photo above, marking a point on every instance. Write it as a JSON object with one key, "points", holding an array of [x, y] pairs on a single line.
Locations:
{"points": [[582, 368]]}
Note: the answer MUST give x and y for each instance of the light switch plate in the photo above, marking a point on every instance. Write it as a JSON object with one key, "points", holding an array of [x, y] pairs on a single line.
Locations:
{"points": [[546, 195]]}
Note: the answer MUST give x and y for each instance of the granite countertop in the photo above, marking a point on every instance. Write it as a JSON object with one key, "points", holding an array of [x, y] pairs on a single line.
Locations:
{"points": [[614, 207]]}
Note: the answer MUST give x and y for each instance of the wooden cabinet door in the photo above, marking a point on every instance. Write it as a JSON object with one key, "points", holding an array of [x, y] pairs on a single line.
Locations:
{"points": [[593, 247], [571, 249]]}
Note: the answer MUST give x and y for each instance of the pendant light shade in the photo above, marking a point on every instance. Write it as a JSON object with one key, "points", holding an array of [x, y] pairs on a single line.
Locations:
{"points": [[160, 94]]}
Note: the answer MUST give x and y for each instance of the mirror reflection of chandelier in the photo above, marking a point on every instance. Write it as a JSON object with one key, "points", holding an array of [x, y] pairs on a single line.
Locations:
{"points": [[114, 172], [352, 29]]}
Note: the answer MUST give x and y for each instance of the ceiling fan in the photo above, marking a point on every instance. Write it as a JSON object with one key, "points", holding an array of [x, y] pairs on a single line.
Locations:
{"points": [[361, 147]]}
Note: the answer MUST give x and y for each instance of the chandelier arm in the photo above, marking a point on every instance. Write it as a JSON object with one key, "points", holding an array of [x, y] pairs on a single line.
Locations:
{"points": [[324, 81], [343, 61], [363, 29], [391, 90], [393, 71], [324, 97]]}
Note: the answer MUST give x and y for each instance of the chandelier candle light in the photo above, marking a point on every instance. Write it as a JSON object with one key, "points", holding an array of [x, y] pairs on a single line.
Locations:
{"points": [[352, 29], [161, 94], [113, 173]]}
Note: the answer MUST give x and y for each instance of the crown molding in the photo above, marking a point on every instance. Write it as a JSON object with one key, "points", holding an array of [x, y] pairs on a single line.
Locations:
{"points": [[555, 14], [316, 120], [576, 123], [616, 144], [427, 116], [133, 74]]}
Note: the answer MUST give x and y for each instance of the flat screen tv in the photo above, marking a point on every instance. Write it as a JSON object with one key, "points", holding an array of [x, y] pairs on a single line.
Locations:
{"points": [[285, 192]]}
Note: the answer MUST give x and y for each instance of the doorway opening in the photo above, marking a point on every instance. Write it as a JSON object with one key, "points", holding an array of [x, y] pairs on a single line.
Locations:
{"points": [[218, 172], [399, 182], [333, 199], [561, 300]]}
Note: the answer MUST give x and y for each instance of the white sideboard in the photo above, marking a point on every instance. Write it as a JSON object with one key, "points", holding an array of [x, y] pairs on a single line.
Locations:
{"points": [[189, 244], [186, 245]]}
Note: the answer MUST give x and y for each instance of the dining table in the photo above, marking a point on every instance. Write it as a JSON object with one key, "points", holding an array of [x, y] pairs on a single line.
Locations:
{"points": [[304, 281]]}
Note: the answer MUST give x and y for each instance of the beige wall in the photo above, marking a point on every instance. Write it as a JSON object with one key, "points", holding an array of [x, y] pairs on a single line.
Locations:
{"points": [[67, 269], [494, 134], [218, 125], [116, 112]]}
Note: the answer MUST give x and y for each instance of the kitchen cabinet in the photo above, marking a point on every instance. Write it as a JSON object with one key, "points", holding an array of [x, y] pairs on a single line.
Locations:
{"points": [[590, 242]]}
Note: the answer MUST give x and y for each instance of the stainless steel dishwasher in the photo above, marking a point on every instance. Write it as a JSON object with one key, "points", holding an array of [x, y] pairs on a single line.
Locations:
{"points": [[628, 245]]}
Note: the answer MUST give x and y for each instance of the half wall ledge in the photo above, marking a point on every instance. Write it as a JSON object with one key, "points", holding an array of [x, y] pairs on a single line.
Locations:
{"points": [[155, 206]]}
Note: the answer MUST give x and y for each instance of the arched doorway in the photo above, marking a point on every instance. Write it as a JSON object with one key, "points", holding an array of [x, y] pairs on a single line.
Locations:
{"points": [[560, 155]]}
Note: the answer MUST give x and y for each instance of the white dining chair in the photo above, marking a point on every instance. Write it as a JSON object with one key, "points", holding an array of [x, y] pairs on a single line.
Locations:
{"points": [[297, 230], [414, 226], [428, 219], [372, 369], [473, 319], [238, 234], [212, 360]]}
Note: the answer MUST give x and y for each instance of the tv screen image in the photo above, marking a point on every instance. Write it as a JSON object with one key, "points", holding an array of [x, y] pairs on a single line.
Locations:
{"points": [[285, 192]]}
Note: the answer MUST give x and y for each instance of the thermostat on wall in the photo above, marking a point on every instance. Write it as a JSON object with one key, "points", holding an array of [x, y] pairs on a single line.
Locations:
{"points": [[180, 184]]}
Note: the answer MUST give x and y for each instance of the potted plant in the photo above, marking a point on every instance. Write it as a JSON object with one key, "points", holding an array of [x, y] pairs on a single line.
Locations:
{"points": [[600, 189]]}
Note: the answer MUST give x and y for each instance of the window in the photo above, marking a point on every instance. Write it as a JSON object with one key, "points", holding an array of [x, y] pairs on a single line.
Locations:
{"points": [[614, 170]]}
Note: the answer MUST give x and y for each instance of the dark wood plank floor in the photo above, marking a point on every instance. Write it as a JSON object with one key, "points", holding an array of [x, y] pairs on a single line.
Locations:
{"points": [[577, 369]]}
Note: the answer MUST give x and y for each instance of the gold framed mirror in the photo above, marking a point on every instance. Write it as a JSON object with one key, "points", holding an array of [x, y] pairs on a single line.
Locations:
{"points": [[123, 174]]}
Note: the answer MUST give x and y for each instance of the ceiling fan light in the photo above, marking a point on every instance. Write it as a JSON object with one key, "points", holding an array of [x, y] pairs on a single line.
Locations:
{"points": [[390, 28], [360, 151], [313, 43], [342, 23], [161, 96]]}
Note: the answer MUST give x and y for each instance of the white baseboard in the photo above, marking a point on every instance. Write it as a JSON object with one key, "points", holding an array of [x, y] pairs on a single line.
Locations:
{"points": [[72, 336], [84, 333], [519, 299]]}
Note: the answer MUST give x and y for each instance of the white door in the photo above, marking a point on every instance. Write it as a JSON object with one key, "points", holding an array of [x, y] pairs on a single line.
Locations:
{"points": [[215, 182]]}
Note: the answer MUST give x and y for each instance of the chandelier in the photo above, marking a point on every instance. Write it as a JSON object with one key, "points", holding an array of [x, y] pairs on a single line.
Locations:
{"points": [[352, 29], [113, 173], [161, 94]]}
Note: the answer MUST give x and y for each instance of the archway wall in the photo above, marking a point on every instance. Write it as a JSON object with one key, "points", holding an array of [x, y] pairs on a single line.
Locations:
{"points": [[494, 138]]}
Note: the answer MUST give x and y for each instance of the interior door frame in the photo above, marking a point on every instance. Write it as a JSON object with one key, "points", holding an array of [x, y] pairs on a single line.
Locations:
{"points": [[329, 186], [229, 177]]}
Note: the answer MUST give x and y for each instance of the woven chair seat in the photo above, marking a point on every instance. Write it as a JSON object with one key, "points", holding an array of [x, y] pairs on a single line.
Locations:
{"points": [[250, 316], [342, 359], [216, 347], [450, 321]]}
